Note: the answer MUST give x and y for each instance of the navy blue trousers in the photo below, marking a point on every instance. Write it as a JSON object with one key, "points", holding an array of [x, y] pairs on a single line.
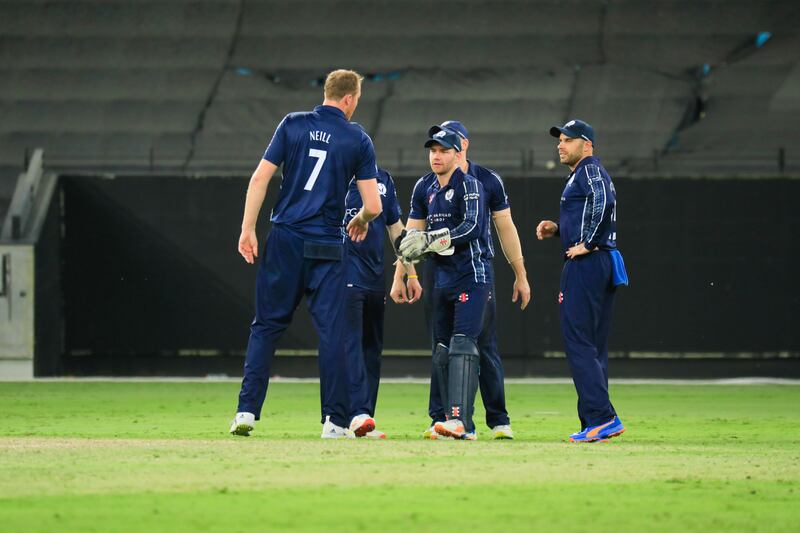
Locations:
{"points": [[363, 346], [586, 301], [459, 311], [290, 268], [492, 376]]}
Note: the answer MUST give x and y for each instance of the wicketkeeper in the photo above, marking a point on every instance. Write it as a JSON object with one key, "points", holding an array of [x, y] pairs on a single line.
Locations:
{"points": [[448, 223]]}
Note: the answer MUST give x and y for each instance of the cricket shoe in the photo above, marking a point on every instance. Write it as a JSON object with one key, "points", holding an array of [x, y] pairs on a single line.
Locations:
{"points": [[243, 424], [362, 424], [470, 436], [332, 431], [451, 428], [431, 434], [603, 432], [502, 432], [375, 434]]}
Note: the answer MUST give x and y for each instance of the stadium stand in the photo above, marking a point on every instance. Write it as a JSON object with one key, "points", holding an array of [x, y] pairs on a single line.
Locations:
{"points": [[166, 89], [679, 87]]}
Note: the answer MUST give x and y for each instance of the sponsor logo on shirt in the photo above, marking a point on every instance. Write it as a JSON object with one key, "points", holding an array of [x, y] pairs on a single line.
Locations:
{"points": [[463, 297], [472, 196]]}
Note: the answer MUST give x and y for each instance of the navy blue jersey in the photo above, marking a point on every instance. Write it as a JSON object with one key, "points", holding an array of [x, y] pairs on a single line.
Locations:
{"points": [[589, 208], [365, 258], [320, 152], [459, 206], [494, 191], [496, 197]]}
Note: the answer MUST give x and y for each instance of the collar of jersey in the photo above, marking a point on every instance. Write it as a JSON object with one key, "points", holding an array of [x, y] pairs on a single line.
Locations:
{"points": [[585, 161], [329, 109], [455, 179]]}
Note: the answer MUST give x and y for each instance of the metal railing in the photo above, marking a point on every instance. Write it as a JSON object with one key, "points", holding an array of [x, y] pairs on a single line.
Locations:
{"points": [[511, 162], [18, 217]]}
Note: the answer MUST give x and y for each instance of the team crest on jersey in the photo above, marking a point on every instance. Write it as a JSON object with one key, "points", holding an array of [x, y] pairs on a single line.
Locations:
{"points": [[449, 195], [382, 189], [463, 297]]}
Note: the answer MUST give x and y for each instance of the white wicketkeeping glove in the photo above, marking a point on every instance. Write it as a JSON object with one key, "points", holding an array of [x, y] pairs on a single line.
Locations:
{"points": [[417, 243]]}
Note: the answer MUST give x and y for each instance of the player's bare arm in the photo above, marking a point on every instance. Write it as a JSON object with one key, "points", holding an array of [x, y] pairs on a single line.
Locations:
{"points": [[256, 191], [546, 229], [410, 291], [412, 280], [359, 225], [398, 293], [512, 249]]}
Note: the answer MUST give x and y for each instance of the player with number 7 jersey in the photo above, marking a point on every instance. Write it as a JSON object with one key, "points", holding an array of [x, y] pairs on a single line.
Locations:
{"points": [[321, 151]]}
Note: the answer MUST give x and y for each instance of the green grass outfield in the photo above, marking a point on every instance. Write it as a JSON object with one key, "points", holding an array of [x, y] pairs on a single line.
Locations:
{"points": [[132, 456]]}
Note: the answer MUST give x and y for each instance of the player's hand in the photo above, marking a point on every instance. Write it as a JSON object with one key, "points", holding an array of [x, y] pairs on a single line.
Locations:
{"points": [[414, 290], [522, 292], [357, 228], [248, 245], [546, 229], [398, 294], [577, 251]]}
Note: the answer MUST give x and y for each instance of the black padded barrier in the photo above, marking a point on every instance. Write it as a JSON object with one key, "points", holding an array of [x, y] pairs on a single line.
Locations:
{"points": [[152, 282]]}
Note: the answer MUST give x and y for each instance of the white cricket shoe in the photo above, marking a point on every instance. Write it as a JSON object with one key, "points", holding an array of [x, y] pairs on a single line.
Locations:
{"points": [[243, 424], [362, 424], [470, 436], [450, 428], [375, 434], [503, 432], [332, 431]]}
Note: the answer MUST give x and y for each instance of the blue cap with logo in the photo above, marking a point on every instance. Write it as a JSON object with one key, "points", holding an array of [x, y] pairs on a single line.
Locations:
{"points": [[447, 138], [575, 129], [452, 125]]}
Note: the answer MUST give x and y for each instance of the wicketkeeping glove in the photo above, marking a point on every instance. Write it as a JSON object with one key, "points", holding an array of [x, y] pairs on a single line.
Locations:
{"points": [[417, 243]]}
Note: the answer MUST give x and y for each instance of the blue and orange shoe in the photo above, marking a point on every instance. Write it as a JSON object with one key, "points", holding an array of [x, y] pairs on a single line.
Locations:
{"points": [[600, 433]]}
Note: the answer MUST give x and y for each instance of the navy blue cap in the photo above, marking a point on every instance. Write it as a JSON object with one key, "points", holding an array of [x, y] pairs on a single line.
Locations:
{"points": [[452, 125], [575, 129], [448, 139]]}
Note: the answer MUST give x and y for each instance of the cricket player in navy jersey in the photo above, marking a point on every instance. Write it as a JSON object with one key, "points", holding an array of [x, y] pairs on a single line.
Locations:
{"points": [[491, 370], [448, 223], [593, 269], [305, 254], [366, 300]]}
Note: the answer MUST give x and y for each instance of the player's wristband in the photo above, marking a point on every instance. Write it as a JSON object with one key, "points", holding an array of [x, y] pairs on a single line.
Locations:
{"points": [[413, 276]]}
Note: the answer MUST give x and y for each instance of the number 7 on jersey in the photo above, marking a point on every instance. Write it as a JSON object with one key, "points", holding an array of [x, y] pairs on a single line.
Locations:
{"points": [[320, 155]]}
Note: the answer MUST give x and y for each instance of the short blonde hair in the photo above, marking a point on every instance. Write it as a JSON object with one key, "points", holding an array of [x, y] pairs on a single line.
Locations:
{"points": [[340, 83]]}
